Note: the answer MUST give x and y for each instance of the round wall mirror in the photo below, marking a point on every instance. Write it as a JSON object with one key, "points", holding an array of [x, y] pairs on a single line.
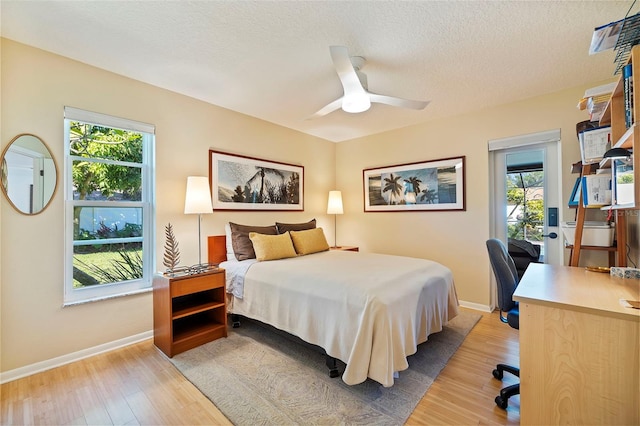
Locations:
{"points": [[29, 174]]}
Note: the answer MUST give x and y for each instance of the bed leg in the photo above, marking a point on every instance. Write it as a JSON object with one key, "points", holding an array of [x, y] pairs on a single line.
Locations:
{"points": [[235, 320], [333, 367]]}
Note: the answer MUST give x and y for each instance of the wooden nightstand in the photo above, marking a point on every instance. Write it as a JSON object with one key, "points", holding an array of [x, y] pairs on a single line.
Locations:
{"points": [[188, 311], [345, 248]]}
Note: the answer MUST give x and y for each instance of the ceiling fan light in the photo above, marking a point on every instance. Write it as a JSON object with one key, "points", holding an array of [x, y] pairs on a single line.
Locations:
{"points": [[356, 103]]}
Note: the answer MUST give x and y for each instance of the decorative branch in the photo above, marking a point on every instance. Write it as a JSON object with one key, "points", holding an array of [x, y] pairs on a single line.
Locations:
{"points": [[171, 251]]}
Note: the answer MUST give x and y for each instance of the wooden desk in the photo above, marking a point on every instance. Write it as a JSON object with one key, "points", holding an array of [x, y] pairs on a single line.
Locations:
{"points": [[579, 348]]}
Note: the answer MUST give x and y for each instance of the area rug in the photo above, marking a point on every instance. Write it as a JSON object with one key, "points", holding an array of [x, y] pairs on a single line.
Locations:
{"points": [[262, 376]]}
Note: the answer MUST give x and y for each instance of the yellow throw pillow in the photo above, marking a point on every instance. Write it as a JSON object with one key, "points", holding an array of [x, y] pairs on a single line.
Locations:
{"points": [[272, 247], [309, 241]]}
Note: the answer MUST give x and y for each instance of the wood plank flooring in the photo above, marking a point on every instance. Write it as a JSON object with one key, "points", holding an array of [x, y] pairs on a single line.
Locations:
{"points": [[137, 385]]}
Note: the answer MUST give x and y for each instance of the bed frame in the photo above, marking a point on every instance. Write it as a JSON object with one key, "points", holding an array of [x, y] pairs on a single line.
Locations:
{"points": [[216, 253], [216, 248]]}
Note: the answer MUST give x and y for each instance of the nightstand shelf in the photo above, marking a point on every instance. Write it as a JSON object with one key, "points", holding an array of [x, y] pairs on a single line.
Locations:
{"points": [[188, 311], [192, 327], [196, 309]]}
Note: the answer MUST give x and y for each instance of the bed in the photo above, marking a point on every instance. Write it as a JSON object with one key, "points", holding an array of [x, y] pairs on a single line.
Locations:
{"points": [[370, 311]]}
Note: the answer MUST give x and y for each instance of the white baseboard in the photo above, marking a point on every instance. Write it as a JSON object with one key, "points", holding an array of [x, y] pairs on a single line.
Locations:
{"points": [[476, 306], [27, 370]]}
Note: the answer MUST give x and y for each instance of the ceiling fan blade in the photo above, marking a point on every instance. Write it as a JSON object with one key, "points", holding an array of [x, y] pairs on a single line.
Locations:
{"points": [[347, 74], [337, 104], [398, 102]]}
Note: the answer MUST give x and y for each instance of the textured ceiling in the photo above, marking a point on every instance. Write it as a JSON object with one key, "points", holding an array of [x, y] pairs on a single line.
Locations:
{"points": [[270, 59]]}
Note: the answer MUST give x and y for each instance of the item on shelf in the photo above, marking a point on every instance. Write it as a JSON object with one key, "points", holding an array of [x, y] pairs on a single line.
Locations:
{"points": [[623, 177], [594, 143], [586, 125], [627, 90], [595, 101], [596, 190], [629, 36], [594, 233], [620, 35], [605, 36]]}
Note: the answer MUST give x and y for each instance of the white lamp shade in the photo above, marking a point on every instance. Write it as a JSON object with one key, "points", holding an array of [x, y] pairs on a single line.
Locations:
{"points": [[198, 198], [334, 206]]}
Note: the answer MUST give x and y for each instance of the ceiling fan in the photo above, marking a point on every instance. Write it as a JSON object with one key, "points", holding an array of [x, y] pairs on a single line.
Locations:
{"points": [[357, 97]]}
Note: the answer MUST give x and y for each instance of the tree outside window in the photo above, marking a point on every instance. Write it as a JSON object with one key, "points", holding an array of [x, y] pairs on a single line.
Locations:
{"points": [[109, 209], [525, 201]]}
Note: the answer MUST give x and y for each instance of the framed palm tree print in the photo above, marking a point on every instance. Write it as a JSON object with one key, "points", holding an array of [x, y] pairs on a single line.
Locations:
{"points": [[427, 185], [247, 183]]}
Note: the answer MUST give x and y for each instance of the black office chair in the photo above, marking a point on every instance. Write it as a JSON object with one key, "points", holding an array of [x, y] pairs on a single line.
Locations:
{"points": [[507, 278]]}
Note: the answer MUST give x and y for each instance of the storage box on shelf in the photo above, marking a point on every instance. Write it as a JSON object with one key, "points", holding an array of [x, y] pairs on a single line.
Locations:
{"points": [[594, 233]]}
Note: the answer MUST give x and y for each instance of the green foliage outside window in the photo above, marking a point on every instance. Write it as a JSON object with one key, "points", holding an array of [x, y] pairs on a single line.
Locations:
{"points": [[525, 196], [111, 172], [109, 144]]}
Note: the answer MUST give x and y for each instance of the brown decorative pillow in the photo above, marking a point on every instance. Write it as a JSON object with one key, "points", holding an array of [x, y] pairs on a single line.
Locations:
{"points": [[242, 246], [284, 227]]}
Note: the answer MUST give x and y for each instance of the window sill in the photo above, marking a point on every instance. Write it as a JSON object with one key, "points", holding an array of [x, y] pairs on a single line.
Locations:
{"points": [[101, 298]]}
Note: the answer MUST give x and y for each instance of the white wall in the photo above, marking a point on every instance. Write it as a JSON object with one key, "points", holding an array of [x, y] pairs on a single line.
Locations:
{"points": [[454, 238], [36, 86]]}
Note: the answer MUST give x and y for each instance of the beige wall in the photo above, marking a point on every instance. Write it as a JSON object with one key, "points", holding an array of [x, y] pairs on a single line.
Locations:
{"points": [[456, 239], [35, 87]]}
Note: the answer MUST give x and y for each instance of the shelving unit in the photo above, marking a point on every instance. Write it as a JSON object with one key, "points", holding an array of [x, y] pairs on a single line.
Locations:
{"points": [[188, 311], [629, 36], [618, 250], [621, 137]]}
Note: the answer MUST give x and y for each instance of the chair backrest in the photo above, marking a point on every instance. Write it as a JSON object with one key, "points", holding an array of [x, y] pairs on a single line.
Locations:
{"points": [[505, 271]]}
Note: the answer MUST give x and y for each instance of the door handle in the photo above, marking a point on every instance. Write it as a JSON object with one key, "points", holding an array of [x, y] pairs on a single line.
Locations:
{"points": [[551, 235]]}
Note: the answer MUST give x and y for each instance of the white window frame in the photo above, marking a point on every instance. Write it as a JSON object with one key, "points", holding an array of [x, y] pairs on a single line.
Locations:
{"points": [[72, 295]]}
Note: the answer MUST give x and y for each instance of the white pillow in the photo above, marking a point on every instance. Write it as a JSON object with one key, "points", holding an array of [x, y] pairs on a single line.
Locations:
{"points": [[227, 232]]}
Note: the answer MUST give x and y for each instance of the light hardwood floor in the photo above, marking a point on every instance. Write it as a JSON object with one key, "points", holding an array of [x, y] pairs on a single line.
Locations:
{"points": [[138, 385]]}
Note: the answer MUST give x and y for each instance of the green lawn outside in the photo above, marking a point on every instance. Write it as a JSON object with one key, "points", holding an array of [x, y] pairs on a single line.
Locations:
{"points": [[102, 260]]}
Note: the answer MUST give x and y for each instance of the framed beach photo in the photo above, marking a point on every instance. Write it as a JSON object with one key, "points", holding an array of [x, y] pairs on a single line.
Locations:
{"points": [[427, 185], [246, 183]]}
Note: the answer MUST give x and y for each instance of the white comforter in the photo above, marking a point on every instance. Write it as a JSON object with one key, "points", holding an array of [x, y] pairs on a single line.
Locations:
{"points": [[369, 310]]}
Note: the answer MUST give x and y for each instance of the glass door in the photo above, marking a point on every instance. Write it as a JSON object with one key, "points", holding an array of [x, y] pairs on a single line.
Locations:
{"points": [[525, 199]]}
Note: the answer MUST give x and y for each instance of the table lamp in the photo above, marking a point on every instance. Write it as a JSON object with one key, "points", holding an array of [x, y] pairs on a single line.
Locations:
{"points": [[334, 207], [198, 201]]}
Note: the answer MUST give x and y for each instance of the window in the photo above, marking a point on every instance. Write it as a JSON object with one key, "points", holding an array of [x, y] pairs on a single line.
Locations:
{"points": [[109, 219]]}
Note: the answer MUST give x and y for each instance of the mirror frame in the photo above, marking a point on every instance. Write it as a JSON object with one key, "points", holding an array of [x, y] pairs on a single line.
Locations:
{"points": [[3, 162]]}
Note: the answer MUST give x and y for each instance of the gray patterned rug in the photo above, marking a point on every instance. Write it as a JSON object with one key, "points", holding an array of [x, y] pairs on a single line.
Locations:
{"points": [[262, 376]]}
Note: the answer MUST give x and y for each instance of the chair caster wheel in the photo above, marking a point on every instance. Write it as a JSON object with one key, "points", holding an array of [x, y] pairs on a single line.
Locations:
{"points": [[502, 403], [334, 373], [498, 374]]}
